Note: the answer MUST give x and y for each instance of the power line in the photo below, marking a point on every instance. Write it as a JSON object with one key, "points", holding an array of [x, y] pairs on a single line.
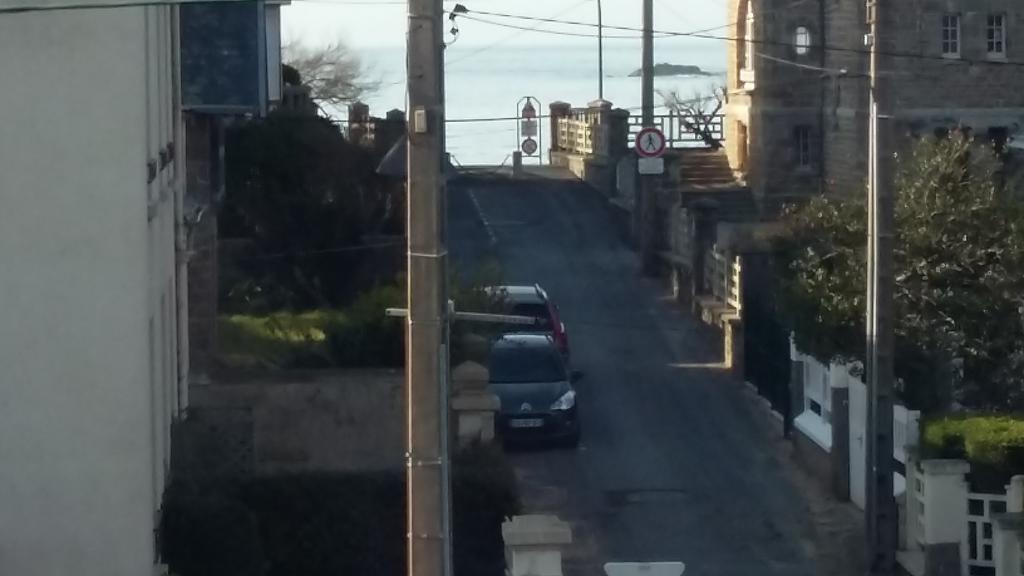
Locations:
{"points": [[551, 32], [705, 36], [513, 35], [333, 250]]}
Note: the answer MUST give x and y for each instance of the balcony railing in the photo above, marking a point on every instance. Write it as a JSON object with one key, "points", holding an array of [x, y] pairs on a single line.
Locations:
{"points": [[684, 130]]}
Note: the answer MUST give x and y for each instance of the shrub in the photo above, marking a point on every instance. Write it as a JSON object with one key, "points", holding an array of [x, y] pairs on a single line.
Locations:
{"points": [[206, 532], [331, 523], [993, 444], [484, 495], [366, 337]]}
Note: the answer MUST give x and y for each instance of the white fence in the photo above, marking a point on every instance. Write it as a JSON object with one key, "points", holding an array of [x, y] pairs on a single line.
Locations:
{"points": [[939, 508], [722, 273], [976, 547], [815, 420]]}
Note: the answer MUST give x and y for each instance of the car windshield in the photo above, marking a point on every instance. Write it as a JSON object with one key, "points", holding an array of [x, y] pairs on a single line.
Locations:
{"points": [[510, 365]]}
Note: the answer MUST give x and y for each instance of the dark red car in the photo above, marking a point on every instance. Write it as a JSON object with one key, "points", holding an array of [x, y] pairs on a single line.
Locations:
{"points": [[533, 301]]}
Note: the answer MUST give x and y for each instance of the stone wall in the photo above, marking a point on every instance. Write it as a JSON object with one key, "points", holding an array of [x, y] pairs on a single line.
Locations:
{"points": [[328, 421], [778, 91], [929, 92]]}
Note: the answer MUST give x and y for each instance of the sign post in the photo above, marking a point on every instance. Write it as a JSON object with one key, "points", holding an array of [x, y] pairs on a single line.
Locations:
{"points": [[528, 136], [650, 146]]}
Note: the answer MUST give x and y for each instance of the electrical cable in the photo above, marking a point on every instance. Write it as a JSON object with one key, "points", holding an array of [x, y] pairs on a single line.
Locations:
{"points": [[513, 35], [704, 36]]}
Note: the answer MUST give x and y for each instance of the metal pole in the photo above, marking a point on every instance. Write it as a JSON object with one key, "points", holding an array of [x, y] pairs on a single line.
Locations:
{"points": [[600, 53], [881, 520], [647, 201], [427, 473], [647, 66]]}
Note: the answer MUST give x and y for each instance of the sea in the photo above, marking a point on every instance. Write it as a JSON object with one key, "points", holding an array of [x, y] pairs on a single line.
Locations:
{"points": [[489, 81]]}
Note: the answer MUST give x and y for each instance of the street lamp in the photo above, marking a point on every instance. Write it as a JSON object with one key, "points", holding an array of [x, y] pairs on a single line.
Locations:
{"points": [[600, 53]]}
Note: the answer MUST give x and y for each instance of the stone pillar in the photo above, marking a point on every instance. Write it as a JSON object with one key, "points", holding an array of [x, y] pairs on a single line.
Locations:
{"points": [[517, 164], [533, 545], [599, 114], [734, 347], [840, 453], [618, 132], [557, 110], [945, 514], [473, 404], [1006, 549]]}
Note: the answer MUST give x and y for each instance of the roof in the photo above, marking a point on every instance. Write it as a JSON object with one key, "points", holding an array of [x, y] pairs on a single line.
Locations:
{"points": [[518, 293], [395, 162]]}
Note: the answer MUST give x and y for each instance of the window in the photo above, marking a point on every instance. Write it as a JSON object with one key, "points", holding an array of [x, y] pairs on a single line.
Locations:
{"points": [[995, 34], [802, 40], [748, 44], [802, 142], [951, 35]]}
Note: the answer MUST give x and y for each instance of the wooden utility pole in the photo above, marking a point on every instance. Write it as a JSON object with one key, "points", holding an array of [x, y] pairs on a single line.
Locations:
{"points": [[647, 204], [881, 515], [426, 363], [600, 52]]}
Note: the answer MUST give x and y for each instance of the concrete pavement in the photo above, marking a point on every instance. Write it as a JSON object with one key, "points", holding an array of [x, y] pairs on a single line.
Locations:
{"points": [[675, 463]]}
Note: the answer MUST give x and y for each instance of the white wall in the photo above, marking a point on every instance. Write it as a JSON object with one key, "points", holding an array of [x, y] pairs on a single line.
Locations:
{"points": [[86, 253], [815, 421]]}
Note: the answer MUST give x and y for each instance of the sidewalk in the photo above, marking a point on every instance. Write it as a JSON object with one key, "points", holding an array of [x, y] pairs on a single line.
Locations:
{"points": [[838, 526]]}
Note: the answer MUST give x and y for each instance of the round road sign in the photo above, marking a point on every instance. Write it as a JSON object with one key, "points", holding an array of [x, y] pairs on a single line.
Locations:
{"points": [[650, 143], [529, 146]]}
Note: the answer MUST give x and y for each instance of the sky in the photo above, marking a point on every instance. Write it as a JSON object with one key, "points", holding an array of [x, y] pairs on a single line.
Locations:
{"points": [[370, 23]]}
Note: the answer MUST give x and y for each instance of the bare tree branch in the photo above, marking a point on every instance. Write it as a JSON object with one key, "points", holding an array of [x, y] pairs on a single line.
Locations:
{"points": [[334, 75], [697, 114]]}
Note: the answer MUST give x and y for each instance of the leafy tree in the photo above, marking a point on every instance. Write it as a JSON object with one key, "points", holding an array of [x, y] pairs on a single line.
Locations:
{"points": [[304, 198], [959, 293]]}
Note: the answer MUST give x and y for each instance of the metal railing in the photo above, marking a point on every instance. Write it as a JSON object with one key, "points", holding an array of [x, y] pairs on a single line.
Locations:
{"points": [[722, 276], [582, 133], [683, 130], [575, 135]]}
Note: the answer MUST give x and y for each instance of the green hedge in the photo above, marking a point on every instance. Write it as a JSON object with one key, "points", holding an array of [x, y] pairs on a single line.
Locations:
{"points": [[330, 524], [993, 444], [367, 337]]}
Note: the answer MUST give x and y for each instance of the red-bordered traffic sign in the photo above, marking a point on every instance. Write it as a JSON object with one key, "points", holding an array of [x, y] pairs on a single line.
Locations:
{"points": [[529, 146], [650, 143]]}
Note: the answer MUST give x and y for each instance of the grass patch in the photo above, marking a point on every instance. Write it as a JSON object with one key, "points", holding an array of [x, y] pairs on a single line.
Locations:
{"points": [[992, 443], [276, 341], [358, 336]]}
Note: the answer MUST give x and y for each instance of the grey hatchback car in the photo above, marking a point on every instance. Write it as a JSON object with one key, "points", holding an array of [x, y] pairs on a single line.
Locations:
{"points": [[538, 398]]}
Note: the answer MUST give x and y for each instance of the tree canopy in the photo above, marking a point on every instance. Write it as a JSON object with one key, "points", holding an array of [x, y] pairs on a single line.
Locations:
{"points": [[303, 199], [959, 288]]}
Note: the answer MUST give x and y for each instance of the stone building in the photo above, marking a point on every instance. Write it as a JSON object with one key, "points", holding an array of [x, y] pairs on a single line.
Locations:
{"points": [[797, 103]]}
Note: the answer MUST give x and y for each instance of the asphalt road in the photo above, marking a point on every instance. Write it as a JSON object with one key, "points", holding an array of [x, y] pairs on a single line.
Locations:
{"points": [[673, 464]]}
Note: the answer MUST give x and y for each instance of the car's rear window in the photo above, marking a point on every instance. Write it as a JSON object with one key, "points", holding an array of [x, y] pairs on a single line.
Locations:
{"points": [[519, 364], [536, 310]]}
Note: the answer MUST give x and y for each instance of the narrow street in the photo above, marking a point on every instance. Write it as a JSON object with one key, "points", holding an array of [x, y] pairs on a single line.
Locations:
{"points": [[673, 463]]}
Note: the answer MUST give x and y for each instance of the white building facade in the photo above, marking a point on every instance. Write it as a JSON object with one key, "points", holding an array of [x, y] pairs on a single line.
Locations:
{"points": [[91, 286]]}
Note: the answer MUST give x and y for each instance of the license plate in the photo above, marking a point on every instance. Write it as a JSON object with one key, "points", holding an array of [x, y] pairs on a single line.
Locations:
{"points": [[526, 423]]}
